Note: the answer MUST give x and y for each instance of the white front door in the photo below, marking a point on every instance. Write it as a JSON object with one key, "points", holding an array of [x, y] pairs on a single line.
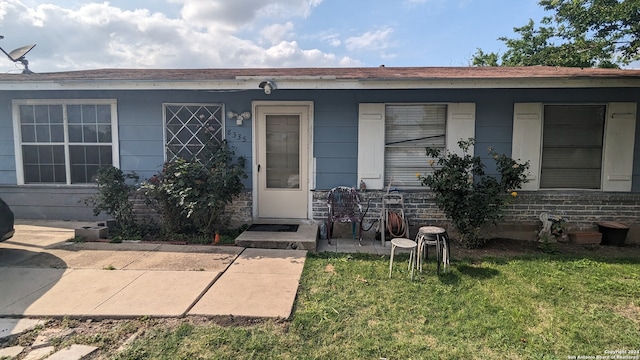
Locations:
{"points": [[282, 161]]}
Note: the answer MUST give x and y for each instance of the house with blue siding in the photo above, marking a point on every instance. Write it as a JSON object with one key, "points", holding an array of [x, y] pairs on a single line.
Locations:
{"points": [[304, 131]]}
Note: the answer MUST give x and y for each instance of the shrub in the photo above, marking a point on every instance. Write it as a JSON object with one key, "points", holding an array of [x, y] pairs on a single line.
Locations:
{"points": [[191, 195], [469, 197], [112, 197]]}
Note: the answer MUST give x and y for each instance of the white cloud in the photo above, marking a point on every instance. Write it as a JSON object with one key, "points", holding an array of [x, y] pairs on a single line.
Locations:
{"points": [[333, 39], [233, 14], [371, 40], [277, 32], [207, 34], [289, 54]]}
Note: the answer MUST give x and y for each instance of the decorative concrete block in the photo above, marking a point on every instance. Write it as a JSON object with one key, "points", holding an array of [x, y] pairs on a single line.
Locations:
{"points": [[585, 238], [90, 233]]}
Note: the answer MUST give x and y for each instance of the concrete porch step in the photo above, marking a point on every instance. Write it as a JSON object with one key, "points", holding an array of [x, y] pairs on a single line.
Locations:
{"points": [[303, 239]]}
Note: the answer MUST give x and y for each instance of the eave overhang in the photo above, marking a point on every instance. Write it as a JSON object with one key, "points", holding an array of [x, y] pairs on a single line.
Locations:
{"points": [[324, 79]]}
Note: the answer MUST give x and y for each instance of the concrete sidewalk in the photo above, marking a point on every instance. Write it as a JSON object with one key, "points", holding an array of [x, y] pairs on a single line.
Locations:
{"points": [[43, 275]]}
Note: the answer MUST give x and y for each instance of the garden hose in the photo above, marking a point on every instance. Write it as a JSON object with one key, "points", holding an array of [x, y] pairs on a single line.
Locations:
{"points": [[395, 224]]}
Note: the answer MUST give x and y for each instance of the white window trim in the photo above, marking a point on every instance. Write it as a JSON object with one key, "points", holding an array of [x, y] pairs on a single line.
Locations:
{"points": [[164, 121], [616, 170], [17, 135], [460, 124]]}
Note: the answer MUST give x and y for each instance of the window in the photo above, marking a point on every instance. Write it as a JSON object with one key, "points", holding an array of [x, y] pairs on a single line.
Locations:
{"points": [[585, 146], [188, 127], [64, 141], [392, 139], [572, 140], [409, 129]]}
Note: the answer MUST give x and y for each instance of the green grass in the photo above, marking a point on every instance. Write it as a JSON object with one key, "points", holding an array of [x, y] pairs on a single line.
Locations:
{"points": [[537, 307]]}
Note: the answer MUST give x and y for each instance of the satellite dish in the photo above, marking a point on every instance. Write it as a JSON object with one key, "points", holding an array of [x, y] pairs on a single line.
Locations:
{"points": [[18, 55]]}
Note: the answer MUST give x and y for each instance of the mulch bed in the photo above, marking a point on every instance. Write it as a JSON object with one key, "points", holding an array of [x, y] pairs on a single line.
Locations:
{"points": [[507, 248]]}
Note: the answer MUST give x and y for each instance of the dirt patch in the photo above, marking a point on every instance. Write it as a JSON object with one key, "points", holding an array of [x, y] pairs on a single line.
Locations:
{"points": [[509, 248], [630, 311], [111, 336]]}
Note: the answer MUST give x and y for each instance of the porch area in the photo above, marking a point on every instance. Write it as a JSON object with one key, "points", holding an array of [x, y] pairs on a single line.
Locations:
{"points": [[306, 237]]}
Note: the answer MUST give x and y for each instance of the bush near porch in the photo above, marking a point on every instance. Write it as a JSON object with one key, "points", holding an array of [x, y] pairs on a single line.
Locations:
{"points": [[188, 196]]}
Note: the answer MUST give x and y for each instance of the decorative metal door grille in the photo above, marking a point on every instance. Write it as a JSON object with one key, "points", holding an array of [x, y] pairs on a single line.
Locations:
{"points": [[189, 128]]}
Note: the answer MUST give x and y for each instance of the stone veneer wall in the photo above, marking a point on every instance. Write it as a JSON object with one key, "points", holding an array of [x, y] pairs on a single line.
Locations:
{"points": [[237, 213], [582, 209], [240, 210]]}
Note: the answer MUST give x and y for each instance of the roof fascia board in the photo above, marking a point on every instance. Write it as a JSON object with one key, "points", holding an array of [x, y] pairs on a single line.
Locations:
{"points": [[324, 84]]}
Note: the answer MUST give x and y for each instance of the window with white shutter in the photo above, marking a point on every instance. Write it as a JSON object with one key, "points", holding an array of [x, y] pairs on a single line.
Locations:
{"points": [[409, 130], [392, 139], [582, 146]]}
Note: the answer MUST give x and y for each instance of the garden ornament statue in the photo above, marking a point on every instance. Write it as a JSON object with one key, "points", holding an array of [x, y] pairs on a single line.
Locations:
{"points": [[553, 227], [546, 225]]}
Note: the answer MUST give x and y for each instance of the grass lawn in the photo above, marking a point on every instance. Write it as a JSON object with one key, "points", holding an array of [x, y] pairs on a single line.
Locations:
{"points": [[529, 307]]}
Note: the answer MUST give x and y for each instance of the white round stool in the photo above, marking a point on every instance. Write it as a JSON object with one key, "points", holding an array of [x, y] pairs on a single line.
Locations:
{"points": [[433, 236], [404, 244]]}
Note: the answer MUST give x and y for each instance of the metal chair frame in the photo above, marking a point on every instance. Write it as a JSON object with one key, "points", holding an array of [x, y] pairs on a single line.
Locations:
{"points": [[344, 206], [433, 236]]}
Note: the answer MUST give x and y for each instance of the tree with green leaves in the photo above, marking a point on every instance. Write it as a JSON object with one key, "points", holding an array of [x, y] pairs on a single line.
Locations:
{"points": [[581, 33]]}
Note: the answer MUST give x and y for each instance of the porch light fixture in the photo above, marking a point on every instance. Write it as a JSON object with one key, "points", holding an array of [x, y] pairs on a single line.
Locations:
{"points": [[239, 117], [267, 86]]}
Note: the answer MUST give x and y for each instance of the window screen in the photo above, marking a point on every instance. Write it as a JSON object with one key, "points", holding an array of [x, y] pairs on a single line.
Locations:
{"points": [[409, 130], [64, 142], [572, 146]]}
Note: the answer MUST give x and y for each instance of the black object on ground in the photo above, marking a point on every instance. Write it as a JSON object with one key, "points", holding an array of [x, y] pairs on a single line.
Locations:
{"points": [[273, 227], [6, 221], [613, 233]]}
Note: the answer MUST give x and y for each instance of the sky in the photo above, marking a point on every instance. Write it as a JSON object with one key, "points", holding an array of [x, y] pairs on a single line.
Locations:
{"points": [[82, 35]]}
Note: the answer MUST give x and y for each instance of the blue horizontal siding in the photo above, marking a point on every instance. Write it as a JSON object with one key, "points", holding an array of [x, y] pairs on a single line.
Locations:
{"points": [[330, 180], [7, 177], [140, 133], [336, 149], [6, 149], [50, 202], [141, 148], [336, 134], [8, 162], [335, 130]]}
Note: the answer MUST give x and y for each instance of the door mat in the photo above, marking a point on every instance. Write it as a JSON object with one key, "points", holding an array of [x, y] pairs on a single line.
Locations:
{"points": [[273, 227]]}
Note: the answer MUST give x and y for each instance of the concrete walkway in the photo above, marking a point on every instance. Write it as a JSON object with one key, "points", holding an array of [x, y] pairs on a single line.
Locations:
{"points": [[44, 275]]}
